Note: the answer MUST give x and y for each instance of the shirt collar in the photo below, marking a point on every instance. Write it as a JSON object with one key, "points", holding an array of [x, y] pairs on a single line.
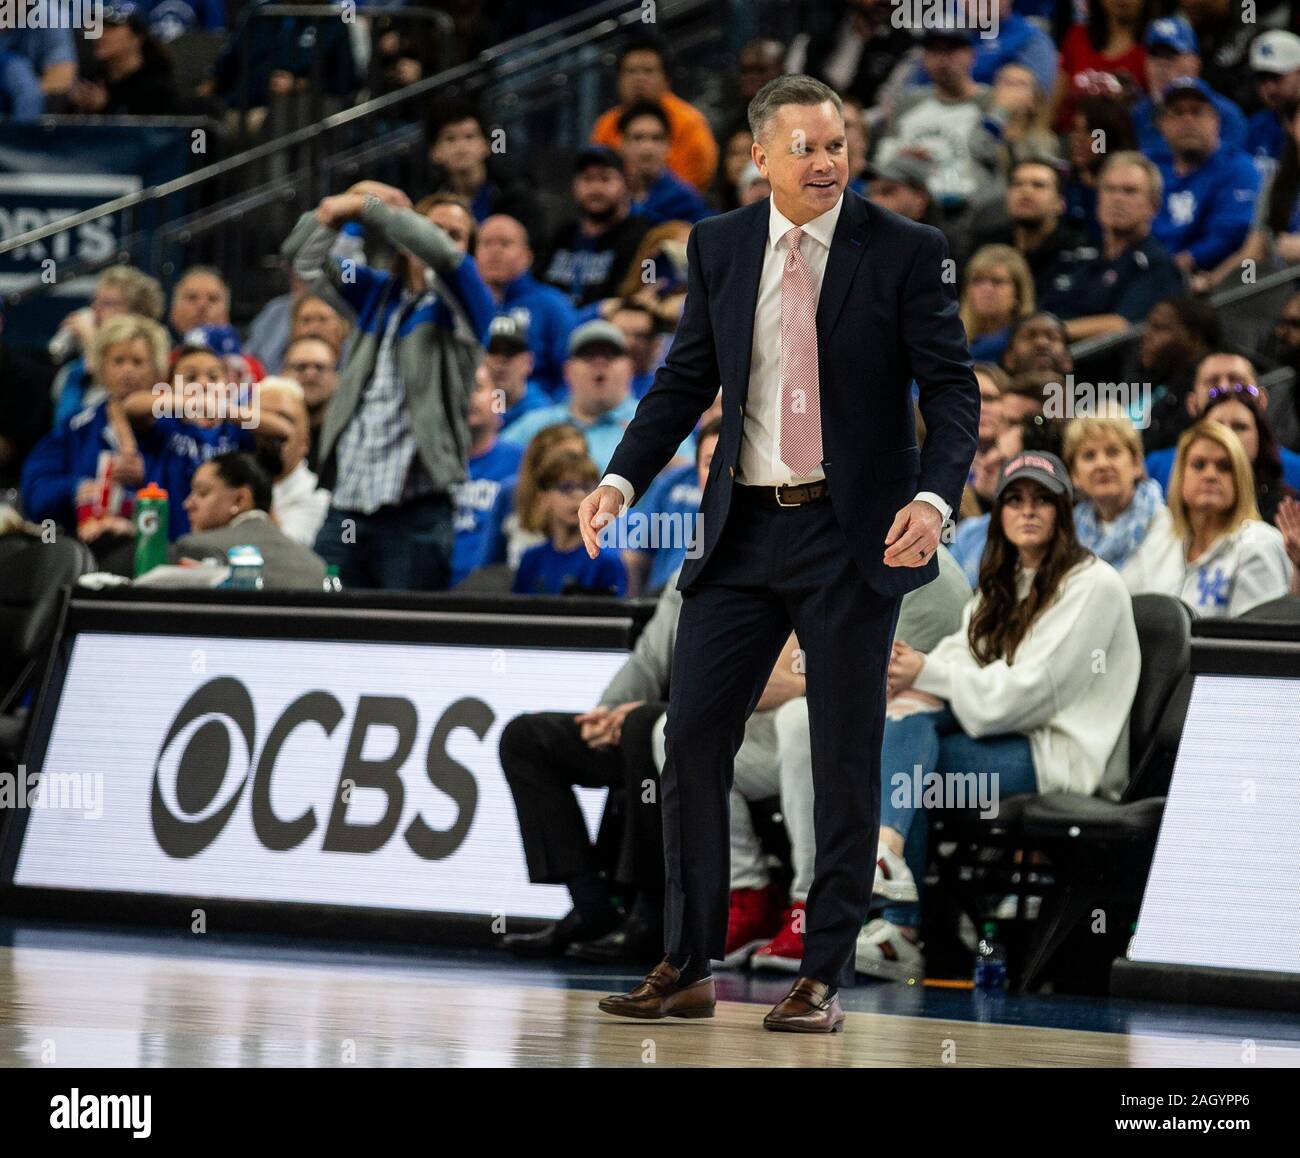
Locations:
{"points": [[820, 229], [619, 415]]}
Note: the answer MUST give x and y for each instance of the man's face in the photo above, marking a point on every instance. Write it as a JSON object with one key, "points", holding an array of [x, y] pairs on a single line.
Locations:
{"points": [[1124, 199], [1274, 90], [460, 146], [639, 330], [503, 253], [599, 378], [949, 65], [857, 135], [1221, 370], [455, 222], [599, 191], [1039, 344], [1032, 195], [316, 318], [899, 197], [641, 77], [1191, 126], [199, 300], [483, 415], [1162, 339], [805, 159], [1164, 65], [990, 410], [508, 369], [1287, 331], [645, 146], [311, 363], [759, 63]]}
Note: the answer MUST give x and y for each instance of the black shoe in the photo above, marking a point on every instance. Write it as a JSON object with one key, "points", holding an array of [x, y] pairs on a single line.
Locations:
{"points": [[633, 943], [552, 940]]}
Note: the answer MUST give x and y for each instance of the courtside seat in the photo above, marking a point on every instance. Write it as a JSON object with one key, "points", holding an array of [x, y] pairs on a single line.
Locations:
{"points": [[33, 574]]}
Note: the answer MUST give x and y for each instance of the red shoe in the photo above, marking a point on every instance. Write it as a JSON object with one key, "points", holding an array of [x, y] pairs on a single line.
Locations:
{"points": [[755, 915], [784, 952]]}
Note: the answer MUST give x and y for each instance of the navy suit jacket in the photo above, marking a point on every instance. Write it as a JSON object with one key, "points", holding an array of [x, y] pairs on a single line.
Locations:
{"points": [[888, 314]]}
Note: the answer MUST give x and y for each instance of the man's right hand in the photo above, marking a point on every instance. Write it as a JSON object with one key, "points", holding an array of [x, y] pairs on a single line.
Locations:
{"points": [[598, 509]]}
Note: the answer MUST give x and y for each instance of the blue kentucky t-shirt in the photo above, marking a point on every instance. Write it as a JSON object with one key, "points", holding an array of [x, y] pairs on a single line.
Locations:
{"points": [[546, 571], [482, 501]]}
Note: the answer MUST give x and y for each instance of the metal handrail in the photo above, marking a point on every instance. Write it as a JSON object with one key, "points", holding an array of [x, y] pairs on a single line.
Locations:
{"points": [[1090, 347], [309, 133]]}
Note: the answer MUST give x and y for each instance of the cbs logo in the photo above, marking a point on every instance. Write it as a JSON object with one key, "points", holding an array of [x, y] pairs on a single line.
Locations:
{"points": [[209, 761]]}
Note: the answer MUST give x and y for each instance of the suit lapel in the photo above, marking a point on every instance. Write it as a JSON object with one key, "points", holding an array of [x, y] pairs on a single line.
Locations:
{"points": [[847, 247], [749, 271]]}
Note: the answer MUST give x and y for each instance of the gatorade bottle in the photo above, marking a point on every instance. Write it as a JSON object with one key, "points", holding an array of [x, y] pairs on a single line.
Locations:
{"points": [[150, 528], [332, 582]]}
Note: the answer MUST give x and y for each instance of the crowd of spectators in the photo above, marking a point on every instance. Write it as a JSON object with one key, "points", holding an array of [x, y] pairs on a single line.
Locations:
{"points": [[451, 371]]}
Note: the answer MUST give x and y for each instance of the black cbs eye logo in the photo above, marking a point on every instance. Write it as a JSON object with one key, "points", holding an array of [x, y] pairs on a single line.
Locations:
{"points": [[194, 789]]}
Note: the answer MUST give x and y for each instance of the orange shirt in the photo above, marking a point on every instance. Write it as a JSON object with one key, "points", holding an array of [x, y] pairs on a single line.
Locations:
{"points": [[692, 153]]}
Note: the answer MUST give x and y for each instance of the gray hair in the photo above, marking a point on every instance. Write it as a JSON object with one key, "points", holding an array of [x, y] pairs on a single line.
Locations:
{"points": [[1148, 166], [794, 89]]}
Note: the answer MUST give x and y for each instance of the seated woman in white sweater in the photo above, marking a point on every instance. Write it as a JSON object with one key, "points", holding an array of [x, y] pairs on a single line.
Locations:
{"points": [[1031, 695], [1121, 515], [1220, 558]]}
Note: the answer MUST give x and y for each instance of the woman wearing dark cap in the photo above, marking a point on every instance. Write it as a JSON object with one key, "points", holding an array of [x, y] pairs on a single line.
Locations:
{"points": [[1016, 696]]}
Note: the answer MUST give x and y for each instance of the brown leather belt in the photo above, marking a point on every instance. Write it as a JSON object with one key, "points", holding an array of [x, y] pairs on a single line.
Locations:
{"points": [[792, 495]]}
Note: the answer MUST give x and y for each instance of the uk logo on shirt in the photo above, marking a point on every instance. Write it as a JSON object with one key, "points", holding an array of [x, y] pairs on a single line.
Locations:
{"points": [[1182, 207], [1213, 590]]}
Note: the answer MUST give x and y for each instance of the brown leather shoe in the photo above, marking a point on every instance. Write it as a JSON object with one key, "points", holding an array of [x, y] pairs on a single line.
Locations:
{"points": [[660, 996], [806, 1009]]}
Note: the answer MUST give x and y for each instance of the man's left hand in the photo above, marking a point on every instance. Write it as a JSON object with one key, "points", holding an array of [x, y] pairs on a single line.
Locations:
{"points": [[914, 536]]}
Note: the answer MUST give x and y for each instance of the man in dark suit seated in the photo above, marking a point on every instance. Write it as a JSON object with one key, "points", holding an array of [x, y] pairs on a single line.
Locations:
{"points": [[814, 311]]}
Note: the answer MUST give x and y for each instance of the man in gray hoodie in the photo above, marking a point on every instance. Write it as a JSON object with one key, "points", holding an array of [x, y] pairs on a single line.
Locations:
{"points": [[395, 435]]}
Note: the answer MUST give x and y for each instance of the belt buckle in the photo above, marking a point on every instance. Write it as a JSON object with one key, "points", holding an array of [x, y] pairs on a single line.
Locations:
{"points": [[779, 503]]}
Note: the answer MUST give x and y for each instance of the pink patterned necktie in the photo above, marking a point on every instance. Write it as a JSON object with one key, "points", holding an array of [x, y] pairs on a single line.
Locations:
{"points": [[801, 415]]}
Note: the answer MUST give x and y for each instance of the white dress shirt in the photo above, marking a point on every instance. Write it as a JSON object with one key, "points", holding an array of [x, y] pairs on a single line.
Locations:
{"points": [[760, 446]]}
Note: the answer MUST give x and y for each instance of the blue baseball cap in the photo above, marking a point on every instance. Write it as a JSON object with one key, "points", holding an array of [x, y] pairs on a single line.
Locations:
{"points": [[1188, 86], [221, 340], [1172, 32]]}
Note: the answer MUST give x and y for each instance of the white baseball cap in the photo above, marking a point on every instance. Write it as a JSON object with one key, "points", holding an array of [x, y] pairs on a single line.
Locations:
{"points": [[1277, 52]]}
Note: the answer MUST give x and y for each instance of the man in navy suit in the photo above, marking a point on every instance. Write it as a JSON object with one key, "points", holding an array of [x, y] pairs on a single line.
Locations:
{"points": [[814, 311]]}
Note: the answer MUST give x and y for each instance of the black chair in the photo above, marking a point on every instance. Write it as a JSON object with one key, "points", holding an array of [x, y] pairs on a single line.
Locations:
{"points": [[33, 574], [495, 579], [1283, 610], [1101, 849]]}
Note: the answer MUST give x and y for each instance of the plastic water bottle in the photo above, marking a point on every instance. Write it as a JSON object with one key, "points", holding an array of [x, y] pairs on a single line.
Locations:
{"points": [[245, 568], [151, 517], [990, 962], [333, 583]]}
